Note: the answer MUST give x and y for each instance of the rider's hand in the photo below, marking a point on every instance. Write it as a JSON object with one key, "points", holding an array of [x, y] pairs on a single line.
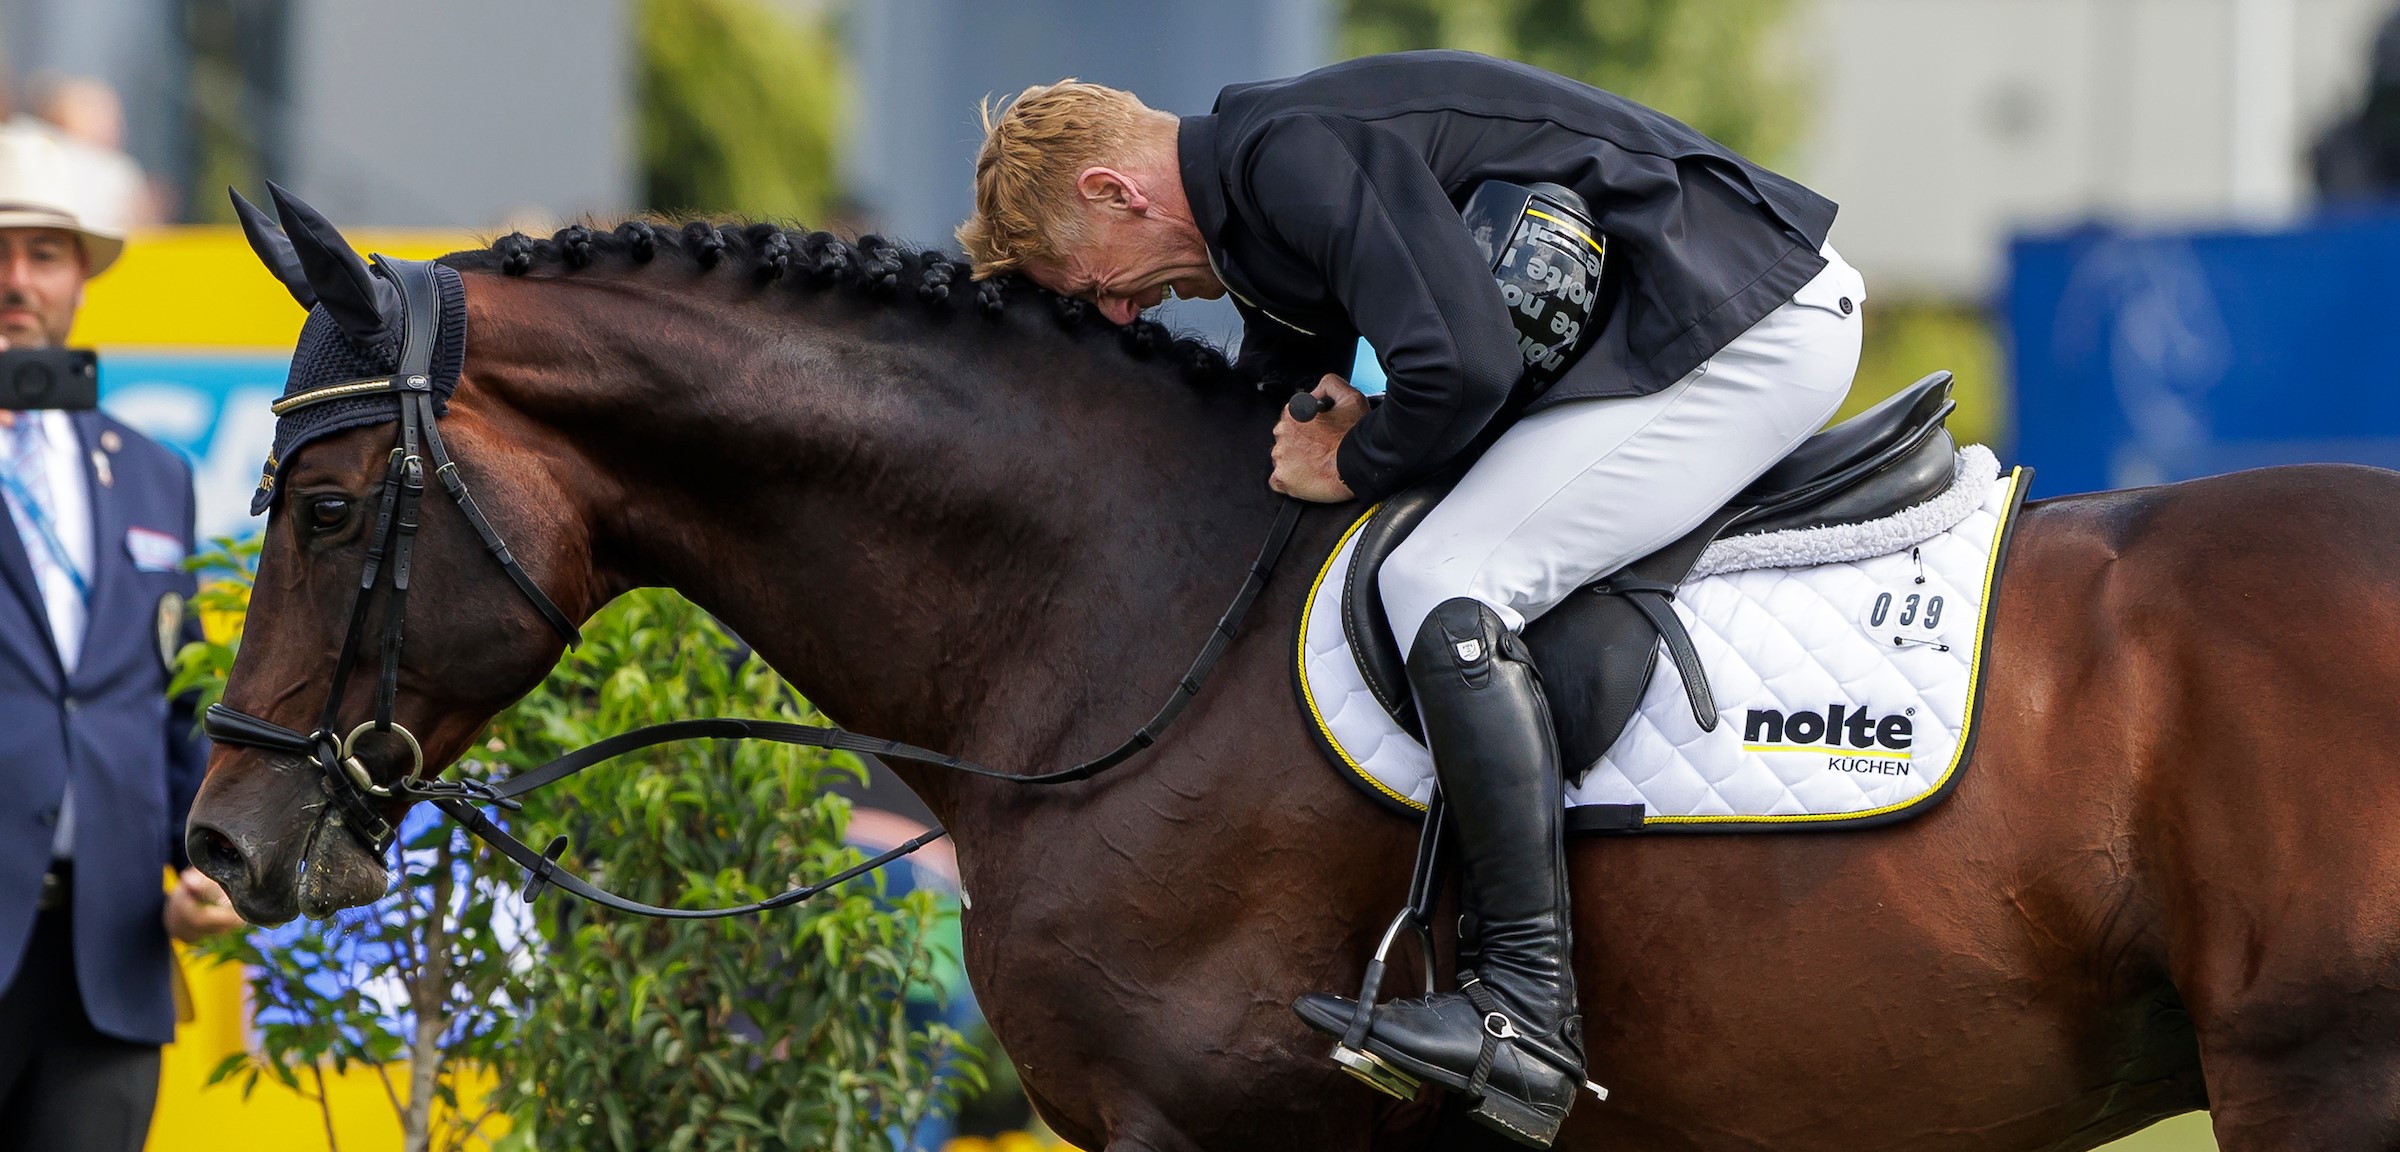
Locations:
{"points": [[1304, 452], [197, 908]]}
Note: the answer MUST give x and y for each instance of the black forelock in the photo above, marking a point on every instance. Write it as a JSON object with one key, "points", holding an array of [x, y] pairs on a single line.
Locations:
{"points": [[870, 266]]}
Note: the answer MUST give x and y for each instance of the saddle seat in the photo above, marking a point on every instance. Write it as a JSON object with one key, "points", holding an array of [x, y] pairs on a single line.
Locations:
{"points": [[1597, 651]]}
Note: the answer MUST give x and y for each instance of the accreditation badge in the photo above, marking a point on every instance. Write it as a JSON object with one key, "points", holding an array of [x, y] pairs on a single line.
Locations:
{"points": [[170, 628]]}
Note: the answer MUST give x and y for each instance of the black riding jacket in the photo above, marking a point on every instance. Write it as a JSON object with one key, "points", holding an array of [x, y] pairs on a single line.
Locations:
{"points": [[1330, 205]]}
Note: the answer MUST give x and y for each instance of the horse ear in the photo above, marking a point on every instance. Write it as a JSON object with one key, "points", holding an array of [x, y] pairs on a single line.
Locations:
{"points": [[366, 307], [273, 250]]}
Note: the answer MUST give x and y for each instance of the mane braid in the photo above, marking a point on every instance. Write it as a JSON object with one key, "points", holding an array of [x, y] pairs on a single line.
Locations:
{"points": [[874, 267]]}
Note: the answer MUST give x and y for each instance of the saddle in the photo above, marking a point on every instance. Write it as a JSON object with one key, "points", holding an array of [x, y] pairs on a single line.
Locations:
{"points": [[1597, 651]]}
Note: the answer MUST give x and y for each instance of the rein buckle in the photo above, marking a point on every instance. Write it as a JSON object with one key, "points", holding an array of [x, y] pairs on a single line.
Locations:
{"points": [[470, 791], [365, 781]]}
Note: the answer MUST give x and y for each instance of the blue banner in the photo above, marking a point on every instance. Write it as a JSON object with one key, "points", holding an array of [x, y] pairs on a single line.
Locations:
{"points": [[211, 407], [2145, 357]]}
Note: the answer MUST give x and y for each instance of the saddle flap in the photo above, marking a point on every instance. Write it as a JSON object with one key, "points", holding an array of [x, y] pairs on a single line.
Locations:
{"points": [[1598, 650], [1382, 661]]}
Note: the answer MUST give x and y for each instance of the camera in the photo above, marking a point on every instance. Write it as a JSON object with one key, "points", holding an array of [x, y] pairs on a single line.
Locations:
{"points": [[49, 378]]}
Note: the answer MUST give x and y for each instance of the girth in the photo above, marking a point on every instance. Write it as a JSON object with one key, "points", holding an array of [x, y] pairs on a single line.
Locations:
{"points": [[359, 802]]}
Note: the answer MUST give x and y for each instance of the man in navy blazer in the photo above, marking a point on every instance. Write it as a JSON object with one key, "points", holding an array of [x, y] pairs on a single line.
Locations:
{"points": [[97, 765]]}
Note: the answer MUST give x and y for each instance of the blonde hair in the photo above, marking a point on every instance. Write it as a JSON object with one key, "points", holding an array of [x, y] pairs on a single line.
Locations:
{"points": [[1034, 149]]}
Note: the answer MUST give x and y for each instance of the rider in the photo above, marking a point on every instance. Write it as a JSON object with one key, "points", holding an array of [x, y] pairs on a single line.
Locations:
{"points": [[1725, 331]]}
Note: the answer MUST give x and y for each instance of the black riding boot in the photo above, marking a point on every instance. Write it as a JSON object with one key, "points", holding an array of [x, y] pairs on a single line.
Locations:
{"points": [[1510, 1037]]}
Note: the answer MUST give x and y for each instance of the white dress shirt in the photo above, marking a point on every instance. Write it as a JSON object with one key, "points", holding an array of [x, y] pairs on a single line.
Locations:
{"points": [[69, 513]]}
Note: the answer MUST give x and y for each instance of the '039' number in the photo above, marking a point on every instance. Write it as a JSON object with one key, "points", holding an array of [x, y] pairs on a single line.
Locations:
{"points": [[1910, 616]]}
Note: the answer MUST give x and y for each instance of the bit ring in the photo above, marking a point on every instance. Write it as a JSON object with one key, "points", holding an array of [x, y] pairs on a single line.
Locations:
{"points": [[358, 771]]}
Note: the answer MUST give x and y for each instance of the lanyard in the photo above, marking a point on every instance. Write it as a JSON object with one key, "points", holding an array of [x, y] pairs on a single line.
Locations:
{"points": [[39, 517]]}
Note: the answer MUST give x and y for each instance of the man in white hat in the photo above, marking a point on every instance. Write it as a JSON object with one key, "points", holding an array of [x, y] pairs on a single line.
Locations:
{"points": [[97, 766]]}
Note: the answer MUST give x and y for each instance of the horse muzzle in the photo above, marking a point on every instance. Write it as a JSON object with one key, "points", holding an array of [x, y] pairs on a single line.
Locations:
{"points": [[264, 835]]}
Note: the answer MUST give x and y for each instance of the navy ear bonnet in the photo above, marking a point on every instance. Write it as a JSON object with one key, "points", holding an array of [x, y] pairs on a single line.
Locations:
{"points": [[328, 355]]}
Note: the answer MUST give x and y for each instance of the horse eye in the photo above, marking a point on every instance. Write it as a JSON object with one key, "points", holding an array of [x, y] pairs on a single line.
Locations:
{"points": [[328, 513]]}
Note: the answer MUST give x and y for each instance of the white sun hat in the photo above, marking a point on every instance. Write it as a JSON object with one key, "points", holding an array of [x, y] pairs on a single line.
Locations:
{"points": [[37, 190]]}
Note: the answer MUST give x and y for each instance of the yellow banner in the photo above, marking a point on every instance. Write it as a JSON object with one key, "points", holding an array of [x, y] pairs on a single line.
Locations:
{"points": [[198, 287]]}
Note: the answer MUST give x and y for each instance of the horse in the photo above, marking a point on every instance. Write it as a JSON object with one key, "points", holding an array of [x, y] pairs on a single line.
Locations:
{"points": [[978, 518]]}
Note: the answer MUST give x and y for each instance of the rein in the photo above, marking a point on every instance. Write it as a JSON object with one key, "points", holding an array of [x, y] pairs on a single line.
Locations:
{"points": [[355, 794]]}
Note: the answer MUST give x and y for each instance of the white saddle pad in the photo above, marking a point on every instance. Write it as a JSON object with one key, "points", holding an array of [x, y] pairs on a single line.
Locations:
{"points": [[1845, 674]]}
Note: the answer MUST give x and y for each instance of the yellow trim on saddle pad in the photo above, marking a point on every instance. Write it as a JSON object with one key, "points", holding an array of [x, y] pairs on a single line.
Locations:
{"points": [[1300, 668]]}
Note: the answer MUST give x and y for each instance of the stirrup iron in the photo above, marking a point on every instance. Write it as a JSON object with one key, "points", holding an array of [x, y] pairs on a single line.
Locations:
{"points": [[1424, 883], [1369, 1069]]}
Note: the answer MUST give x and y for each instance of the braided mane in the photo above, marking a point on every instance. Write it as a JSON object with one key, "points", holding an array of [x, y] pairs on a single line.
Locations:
{"points": [[870, 266]]}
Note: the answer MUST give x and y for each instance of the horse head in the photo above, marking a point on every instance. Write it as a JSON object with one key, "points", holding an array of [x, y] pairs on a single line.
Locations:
{"points": [[263, 824]]}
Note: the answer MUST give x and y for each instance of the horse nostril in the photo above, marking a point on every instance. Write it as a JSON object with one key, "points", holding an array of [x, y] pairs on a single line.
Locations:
{"points": [[215, 855]]}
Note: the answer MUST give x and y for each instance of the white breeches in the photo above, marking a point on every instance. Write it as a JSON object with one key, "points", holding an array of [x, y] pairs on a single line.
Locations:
{"points": [[1572, 493]]}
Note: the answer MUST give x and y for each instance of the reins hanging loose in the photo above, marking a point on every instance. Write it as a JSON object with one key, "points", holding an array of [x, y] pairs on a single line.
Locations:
{"points": [[353, 791]]}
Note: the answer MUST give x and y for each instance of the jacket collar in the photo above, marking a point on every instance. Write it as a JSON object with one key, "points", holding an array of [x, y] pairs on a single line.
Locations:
{"points": [[1204, 190], [1196, 152]]}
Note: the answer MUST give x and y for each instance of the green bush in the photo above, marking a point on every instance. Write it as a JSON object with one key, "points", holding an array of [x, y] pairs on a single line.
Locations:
{"points": [[787, 1030]]}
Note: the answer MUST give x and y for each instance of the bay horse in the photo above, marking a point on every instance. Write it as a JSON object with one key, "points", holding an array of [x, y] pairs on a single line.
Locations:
{"points": [[978, 518]]}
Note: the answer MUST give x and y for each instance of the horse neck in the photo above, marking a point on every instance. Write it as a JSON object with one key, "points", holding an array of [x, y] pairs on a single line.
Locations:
{"points": [[998, 541]]}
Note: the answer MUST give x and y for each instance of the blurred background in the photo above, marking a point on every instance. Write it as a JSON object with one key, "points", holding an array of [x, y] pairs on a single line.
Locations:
{"points": [[2152, 237]]}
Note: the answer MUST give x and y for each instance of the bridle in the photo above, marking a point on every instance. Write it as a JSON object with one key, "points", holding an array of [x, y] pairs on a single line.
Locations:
{"points": [[355, 798]]}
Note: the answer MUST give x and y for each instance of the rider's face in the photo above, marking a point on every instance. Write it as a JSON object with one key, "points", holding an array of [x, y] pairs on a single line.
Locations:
{"points": [[1127, 262]]}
